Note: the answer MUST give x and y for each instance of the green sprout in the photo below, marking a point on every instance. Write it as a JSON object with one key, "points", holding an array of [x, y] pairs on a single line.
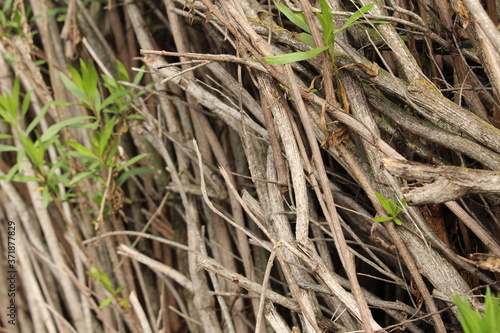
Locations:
{"points": [[392, 207], [103, 279], [329, 33]]}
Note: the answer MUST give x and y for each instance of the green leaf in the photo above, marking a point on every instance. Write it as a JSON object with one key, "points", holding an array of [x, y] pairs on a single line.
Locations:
{"points": [[12, 172], [491, 321], [111, 153], [106, 134], [294, 57], [388, 206], [307, 38], [114, 98], [80, 176], [89, 79], [135, 117], [54, 129], [96, 102], [24, 179], [383, 219], [126, 175], [106, 302], [358, 14], [13, 100], [37, 119], [7, 148], [82, 149], [397, 221], [77, 78], [26, 103], [131, 161], [400, 206], [46, 196], [138, 77], [34, 153], [471, 319], [354, 17], [123, 71], [326, 21], [106, 282], [74, 89], [296, 18]]}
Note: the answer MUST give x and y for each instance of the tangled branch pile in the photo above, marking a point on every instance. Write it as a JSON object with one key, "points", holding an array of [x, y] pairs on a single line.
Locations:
{"points": [[218, 192]]}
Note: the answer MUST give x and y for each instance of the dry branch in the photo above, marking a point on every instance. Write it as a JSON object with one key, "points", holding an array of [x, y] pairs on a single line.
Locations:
{"points": [[285, 169], [443, 183]]}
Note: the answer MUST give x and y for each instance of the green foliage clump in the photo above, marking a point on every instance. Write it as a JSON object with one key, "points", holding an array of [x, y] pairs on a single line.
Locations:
{"points": [[102, 278], [108, 122], [473, 321], [392, 207], [329, 33]]}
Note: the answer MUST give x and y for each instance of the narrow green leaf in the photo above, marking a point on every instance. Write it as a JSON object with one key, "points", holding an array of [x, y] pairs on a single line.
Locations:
{"points": [[388, 206], [126, 175], [307, 38], [74, 89], [82, 149], [24, 179], [354, 17], [123, 71], [13, 100], [26, 103], [54, 129], [359, 13], [77, 78], [400, 206], [13, 171], [114, 98], [135, 117], [106, 282], [111, 153], [89, 79], [35, 154], [326, 20], [397, 221], [491, 321], [296, 18], [80, 176], [37, 119], [46, 196], [471, 319], [131, 161], [294, 57], [4, 148], [106, 133], [106, 302], [383, 219], [96, 101], [138, 77]]}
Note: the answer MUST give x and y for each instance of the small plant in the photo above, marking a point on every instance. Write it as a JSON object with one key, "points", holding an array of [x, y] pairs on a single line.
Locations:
{"points": [[392, 207], [112, 114], [329, 34], [103, 278], [109, 121], [34, 145], [473, 322]]}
